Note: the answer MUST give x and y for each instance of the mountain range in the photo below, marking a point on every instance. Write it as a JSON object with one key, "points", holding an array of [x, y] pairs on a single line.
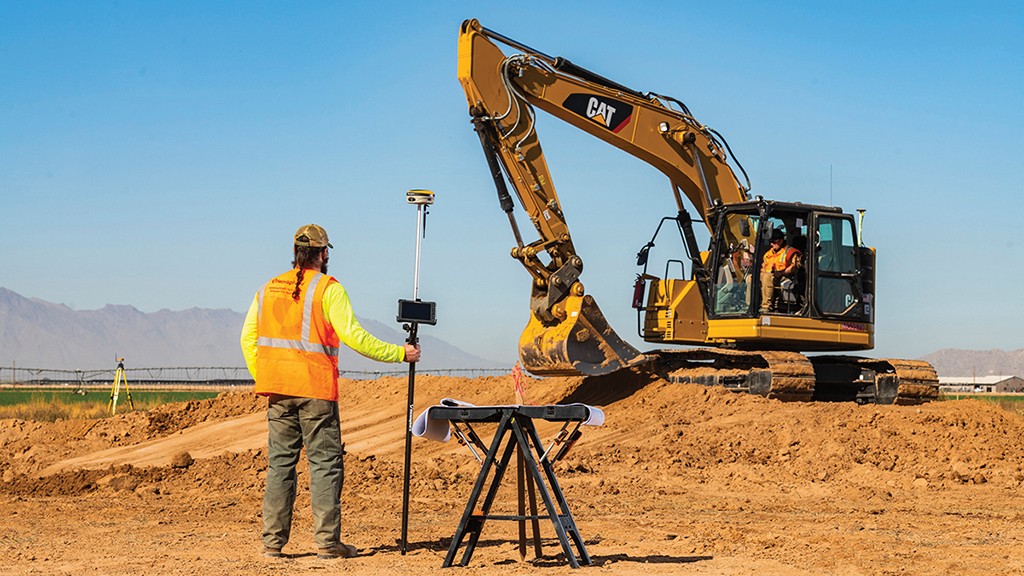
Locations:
{"points": [[39, 334], [952, 362]]}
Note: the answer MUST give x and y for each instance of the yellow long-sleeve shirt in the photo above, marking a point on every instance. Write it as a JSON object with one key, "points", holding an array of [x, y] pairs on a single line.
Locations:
{"points": [[338, 311]]}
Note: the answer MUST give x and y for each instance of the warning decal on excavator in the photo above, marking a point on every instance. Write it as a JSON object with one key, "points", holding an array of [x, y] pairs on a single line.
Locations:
{"points": [[612, 114]]}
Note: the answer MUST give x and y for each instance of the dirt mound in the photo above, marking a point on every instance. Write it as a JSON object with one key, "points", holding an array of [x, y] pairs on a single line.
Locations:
{"points": [[666, 426], [711, 428], [30, 447], [678, 474], [168, 418]]}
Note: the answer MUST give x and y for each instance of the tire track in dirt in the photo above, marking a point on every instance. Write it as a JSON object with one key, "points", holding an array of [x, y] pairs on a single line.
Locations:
{"points": [[206, 440]]}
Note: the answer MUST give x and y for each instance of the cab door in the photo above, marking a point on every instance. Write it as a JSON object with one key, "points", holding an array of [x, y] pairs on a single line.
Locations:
{"points": [[837, 290]]}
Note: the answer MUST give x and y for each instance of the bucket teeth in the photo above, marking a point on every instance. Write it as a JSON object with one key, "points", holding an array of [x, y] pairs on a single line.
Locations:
{"points": [[583, 344]]}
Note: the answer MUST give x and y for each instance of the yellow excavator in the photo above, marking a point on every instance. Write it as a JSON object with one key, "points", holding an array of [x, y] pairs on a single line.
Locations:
{"points": [[752, 319]]}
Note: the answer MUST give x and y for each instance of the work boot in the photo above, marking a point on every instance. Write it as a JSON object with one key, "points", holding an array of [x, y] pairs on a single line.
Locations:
{"points": [[339, 550], [271, 552]]}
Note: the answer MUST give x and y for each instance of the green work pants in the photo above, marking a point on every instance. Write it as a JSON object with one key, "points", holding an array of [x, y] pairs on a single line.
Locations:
{"points": [[291, 423]]}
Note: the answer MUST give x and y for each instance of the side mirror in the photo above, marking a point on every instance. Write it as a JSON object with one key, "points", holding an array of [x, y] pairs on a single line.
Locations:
{"points": [[641, 256]]}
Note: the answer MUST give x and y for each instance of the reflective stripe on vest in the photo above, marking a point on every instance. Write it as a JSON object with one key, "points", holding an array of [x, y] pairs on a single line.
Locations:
{"points": [[303, 345]]}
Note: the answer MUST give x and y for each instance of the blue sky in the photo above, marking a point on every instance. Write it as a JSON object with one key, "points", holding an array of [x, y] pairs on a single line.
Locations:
{"points": [[161, 154]]}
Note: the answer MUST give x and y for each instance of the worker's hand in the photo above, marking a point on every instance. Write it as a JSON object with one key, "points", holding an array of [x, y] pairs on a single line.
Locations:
{"points": [[412, 353]]}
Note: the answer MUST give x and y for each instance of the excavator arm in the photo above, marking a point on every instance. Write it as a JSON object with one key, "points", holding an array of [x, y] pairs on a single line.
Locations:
{"points": [[567, 333]]}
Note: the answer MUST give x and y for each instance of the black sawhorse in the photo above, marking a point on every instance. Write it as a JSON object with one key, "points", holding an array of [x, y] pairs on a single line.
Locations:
{"points": [[516, 423]]}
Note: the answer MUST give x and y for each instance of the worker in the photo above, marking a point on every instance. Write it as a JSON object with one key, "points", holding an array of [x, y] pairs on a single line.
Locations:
{"points": [[290, 340], [743, 261], [780, 261], [733, 283]]}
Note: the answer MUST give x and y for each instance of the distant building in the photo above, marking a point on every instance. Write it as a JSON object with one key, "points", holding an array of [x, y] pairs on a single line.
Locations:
{"points": [[981, 384]]}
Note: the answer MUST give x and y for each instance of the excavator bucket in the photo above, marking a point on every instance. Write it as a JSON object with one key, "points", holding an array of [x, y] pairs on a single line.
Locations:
{"points": [[581, 345]]}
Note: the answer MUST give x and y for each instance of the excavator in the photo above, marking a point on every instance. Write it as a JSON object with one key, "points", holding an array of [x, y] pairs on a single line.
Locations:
{"points": [[750, 328]]}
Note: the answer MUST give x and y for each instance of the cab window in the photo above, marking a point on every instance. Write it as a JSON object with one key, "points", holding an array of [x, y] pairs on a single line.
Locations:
{"points": [[836, 254]]}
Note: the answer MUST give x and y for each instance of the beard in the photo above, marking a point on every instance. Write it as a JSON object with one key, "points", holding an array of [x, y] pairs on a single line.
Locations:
{"points": [[323, 266]]}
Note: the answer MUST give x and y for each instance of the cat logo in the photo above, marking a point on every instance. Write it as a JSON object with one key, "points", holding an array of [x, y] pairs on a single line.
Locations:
{"points": [[612, 114], [600, 111]]}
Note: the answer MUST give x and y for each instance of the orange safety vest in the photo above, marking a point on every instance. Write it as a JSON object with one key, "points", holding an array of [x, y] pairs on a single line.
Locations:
{"points": [[779, 259], [297, 348]]}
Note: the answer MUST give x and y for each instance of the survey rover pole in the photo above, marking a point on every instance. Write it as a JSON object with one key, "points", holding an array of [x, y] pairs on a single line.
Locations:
{"points": [[408, 446], [414, 312]]}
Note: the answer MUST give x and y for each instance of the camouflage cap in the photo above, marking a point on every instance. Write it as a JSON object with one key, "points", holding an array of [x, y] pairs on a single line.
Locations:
{"points": [[312, 235]]}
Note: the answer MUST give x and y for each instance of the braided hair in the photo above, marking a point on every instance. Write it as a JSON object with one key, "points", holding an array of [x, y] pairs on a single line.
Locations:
{"points": [[305, 257]]}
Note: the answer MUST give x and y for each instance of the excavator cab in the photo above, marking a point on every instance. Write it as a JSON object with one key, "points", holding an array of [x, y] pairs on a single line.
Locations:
{"points": [[832, 275], [732, 299]]}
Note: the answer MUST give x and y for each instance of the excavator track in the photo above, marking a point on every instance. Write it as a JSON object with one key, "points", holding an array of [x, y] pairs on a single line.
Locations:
{"points": [[791, 376], [782, 375], [917, 381], [877, 380]]}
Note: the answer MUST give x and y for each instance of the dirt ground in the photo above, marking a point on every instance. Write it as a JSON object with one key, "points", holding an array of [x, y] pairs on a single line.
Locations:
{"points": [[681, 479]]}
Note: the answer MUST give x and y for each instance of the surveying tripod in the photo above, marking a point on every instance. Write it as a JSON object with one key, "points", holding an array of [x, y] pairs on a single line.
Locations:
{"points": [[115, 390]]}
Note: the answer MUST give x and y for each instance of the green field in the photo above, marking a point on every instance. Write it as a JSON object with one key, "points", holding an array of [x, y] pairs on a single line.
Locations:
{"points": [[49, 404], [1010, 402], [12, 396]]}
